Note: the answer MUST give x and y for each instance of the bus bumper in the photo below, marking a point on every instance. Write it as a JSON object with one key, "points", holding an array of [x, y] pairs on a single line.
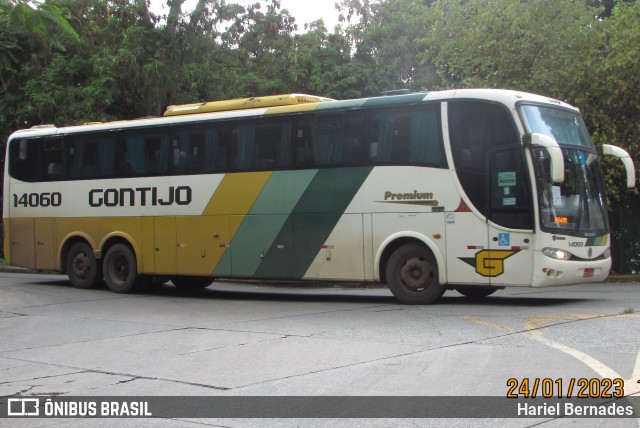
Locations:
{"points": [[549, 272]]}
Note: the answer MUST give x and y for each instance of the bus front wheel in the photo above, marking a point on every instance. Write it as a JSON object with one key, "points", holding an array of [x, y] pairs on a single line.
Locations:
{"points": [[83, 269], [120, 269], [412, 275]]}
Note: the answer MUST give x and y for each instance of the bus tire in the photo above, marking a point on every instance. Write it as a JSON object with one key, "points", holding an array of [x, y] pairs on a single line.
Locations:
{"points": [[83, 269], [412, 275], [475, 292], [120, 269], [192, 282]]}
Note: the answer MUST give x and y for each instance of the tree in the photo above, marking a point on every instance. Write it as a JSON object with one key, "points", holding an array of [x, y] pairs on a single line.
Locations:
{"points": [[27, 29], [612, 98], [556, 48], [388, 41]]}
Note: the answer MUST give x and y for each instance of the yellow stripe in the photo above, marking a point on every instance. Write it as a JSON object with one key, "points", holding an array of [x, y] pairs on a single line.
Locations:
{"points": [[237, 193], [292, 109]]}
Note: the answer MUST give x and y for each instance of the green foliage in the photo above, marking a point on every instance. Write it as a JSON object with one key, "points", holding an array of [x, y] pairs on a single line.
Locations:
{"points": [[560, 48]]}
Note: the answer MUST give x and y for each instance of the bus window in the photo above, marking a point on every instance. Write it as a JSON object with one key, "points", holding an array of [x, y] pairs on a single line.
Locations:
{"points": [[304, 154], [90, 155], [263, 145], [273, 148], [52, 161], [407, 136], [327, 139], [200, 150], [144, 153], [475, 128], [188, 151], [23, 157], [354, 151], [331, 140], [510, 201]]}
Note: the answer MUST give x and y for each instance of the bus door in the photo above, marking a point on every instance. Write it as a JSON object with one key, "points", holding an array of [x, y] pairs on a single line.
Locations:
{"points": [[510, 219], [489, 162]]}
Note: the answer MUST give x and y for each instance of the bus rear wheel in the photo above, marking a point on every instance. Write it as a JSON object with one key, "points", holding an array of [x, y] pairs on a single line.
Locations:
{"points": [[83, 269], [120, 269], [476, 292], [192, 282], [412, 275]]}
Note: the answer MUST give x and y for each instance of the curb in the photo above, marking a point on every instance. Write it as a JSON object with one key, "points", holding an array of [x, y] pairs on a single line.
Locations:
{"points": [[15, 269]]}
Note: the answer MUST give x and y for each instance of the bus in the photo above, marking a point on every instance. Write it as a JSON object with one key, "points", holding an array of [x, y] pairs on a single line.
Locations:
{"points": [[473, 190]]}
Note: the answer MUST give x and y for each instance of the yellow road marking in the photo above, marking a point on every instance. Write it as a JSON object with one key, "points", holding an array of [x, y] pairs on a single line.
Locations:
{"points": [[535, 325], [490, 324]]}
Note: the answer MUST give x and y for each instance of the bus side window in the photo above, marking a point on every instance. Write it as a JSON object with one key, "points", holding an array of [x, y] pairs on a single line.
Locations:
{"points": [[244, 136], [263, 145], [89, 155], [52, 166], [407, 136], [219, 150], [273, 145], [156, 149], [144, 153], [354, 150], [188, 151], [23, 159], [200, 150], [328, 137], [304, 144]]}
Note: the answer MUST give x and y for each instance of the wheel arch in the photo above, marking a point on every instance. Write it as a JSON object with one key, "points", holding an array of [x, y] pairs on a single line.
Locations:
{"points": [[395, 241], [121, 238], [99, 250], [67, 242]]}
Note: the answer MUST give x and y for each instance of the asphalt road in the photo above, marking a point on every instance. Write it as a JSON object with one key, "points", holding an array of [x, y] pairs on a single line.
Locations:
{"points": [[236, 339]]}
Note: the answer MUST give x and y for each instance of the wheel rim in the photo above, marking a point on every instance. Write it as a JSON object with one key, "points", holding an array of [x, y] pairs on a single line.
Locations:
{"points": [[81, 266], [120, 268], [415, 274]]}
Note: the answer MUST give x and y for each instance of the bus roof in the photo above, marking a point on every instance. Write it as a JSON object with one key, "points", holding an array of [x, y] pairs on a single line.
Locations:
{"points": [[289, 103]]}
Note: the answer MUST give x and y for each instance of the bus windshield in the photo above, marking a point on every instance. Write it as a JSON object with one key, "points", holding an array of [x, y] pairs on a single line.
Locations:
{"points": [[564, 126], [576, 206]]}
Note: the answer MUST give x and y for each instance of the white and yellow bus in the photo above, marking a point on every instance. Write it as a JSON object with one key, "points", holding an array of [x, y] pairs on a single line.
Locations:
{"points": [[472, 190]]}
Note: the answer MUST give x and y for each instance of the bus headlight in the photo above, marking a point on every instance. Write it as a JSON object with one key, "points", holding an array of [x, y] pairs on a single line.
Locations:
{"points": [[607, 253], [557, 254]]}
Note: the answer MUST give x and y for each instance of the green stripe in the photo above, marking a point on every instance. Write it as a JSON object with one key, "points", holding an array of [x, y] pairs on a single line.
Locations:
{"points": [[265, 220], [312, 221], [373, 102], [397, 99]]}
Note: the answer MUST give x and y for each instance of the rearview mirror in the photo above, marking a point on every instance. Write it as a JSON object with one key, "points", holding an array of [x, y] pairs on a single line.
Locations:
{"points": [[555, 154], [623, 155]]}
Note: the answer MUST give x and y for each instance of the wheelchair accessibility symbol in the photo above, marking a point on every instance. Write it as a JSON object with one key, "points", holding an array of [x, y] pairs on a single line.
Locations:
{"points": [[504, 240]]}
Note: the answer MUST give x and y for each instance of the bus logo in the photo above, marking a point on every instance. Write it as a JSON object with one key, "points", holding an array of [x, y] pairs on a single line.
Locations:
{"points": [[411, 198], [23, 407], [489, 263]]}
